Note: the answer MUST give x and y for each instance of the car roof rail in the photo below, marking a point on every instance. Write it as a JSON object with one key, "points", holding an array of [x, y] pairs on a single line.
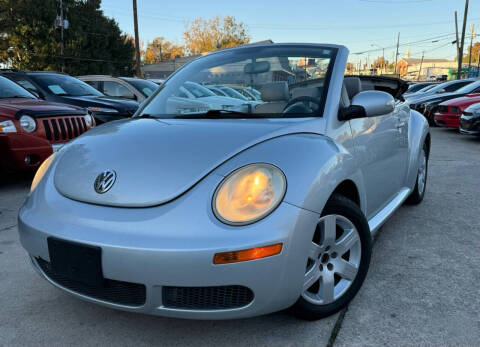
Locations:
{"points": [[94, 76], [57, 72]]}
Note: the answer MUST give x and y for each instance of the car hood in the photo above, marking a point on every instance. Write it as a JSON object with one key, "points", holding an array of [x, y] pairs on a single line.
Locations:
{"points": [[463, 100], [122, 105], [17, 104], [155, 161]]}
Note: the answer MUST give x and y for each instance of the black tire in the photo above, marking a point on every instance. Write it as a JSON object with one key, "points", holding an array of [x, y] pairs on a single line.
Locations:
{"points": [[340, 205], [416, 196]]}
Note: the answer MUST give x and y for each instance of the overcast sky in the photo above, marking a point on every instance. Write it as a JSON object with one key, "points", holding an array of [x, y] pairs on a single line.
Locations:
{"points": [[357, 24]]}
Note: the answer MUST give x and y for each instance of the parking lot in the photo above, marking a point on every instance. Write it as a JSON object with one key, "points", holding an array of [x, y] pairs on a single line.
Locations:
{"points": [[422, 287]]}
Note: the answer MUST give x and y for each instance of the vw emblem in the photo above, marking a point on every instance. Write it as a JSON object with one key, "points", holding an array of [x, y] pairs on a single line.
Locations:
{"points": [[105, 181]]}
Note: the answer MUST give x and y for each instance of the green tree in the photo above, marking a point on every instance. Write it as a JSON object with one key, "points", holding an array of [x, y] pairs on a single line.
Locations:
{"points": [[475, 53], [209, 35], [93, 43]]}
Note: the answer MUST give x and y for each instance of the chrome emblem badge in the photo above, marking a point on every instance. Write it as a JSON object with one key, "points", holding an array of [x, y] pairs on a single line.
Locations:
{"points": [[104, 181]]}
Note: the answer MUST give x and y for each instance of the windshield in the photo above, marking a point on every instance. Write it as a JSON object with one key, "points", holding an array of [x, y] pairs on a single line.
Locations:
{"points": [[291, 81], [143, 86], [9, 89], [416, 87], [64, 85], [424, 89], [469, 87]]}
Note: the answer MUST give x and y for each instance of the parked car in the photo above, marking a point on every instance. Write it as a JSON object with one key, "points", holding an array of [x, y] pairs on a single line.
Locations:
{"points": [[232, 93], [32, 129], [248, 93], [427, 104], [123, 87], [62, 88], [441, 78], [417, 86], [440, 88], [470, 120], [447, 114], [228, 214], [196, 91]]}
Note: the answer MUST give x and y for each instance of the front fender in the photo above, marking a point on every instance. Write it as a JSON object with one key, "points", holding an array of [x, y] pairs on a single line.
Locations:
{"points": [[313, 164], [418, 130]]}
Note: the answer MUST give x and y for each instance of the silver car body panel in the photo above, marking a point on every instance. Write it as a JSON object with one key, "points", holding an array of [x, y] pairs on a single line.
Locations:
{"points": [[171, 236]]}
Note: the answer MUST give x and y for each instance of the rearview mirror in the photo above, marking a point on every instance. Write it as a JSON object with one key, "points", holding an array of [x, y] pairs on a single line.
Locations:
{"points": [[257, 67], [370, 103]]}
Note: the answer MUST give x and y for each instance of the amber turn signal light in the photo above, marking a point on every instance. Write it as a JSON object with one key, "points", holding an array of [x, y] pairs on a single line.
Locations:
{"points": [[247, 254]]}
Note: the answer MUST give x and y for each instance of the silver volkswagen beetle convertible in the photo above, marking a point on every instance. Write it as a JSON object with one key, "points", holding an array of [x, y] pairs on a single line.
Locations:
{"points": [[224, 210]]}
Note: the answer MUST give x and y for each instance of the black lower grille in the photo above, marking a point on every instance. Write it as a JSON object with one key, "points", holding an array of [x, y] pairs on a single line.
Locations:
{"points": [[117, 292], [207, 298]]}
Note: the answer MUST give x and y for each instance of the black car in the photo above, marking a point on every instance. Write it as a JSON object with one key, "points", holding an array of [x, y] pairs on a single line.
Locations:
{"points": [[62, 88], [428, 104], [470, 120]]}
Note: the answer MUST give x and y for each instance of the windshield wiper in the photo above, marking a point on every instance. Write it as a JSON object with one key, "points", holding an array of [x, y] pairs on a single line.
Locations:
{"points": [[221, 114]]}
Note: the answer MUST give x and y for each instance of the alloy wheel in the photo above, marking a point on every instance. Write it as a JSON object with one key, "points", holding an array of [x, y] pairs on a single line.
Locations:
{"points": [[422, 172], [333, 260]]}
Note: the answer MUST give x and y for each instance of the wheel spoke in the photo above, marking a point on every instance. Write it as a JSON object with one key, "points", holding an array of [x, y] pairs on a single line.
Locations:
{"points": [[311, 277], [327, 285], [345, 269], [347, 241], [314, 251], [329, 229]]}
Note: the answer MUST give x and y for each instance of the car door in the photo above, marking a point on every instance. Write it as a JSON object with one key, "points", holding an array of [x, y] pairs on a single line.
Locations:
{"points": [[377, 148]]}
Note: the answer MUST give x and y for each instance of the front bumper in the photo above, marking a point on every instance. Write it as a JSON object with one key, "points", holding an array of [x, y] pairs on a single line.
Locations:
{"points": [[470, 124], [23, 152], [173, 245], [448, 120]]}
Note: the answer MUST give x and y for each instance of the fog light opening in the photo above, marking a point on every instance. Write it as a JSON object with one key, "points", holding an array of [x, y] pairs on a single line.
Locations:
{"points": [[247, 254]]}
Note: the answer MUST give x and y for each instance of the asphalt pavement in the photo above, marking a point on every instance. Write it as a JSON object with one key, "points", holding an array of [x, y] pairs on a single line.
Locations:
{"points": [[422, 287]]}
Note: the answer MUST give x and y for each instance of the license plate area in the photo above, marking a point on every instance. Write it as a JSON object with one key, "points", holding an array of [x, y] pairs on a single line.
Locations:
{"points": [[75, 261]]}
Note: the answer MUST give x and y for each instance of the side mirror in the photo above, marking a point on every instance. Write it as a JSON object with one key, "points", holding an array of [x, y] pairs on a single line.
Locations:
{"points": [[369, 103]]}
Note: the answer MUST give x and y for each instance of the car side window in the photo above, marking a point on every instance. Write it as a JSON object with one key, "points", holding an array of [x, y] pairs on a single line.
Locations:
{"points": [[112, 88], [94, 84], [455, 86]]}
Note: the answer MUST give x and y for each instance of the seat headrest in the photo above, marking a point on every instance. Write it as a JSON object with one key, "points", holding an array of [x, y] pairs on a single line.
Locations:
{"points": [[353, 86], [275, 91], [313, 92]]}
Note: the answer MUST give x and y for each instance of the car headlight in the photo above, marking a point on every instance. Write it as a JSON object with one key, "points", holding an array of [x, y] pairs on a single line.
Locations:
{"points": [[102, 110], [88, 120], [7, 127], [28, 123], [41, 171], [249, 194]]}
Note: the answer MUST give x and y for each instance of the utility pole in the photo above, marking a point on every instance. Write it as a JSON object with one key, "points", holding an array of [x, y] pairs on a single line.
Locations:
{"points": [[457, 41], [472, 34], [61, 30], [420, 70], [396, 54], [138, 72], [460, 53], [62, 23]]}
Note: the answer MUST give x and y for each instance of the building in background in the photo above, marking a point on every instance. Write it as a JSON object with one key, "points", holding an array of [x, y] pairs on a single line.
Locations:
{"points": [[166, 68], [409, 68]]}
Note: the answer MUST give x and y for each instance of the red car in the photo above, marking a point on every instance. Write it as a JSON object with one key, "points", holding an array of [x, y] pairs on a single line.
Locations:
{"points": [[448, 112], [31, 129]]}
